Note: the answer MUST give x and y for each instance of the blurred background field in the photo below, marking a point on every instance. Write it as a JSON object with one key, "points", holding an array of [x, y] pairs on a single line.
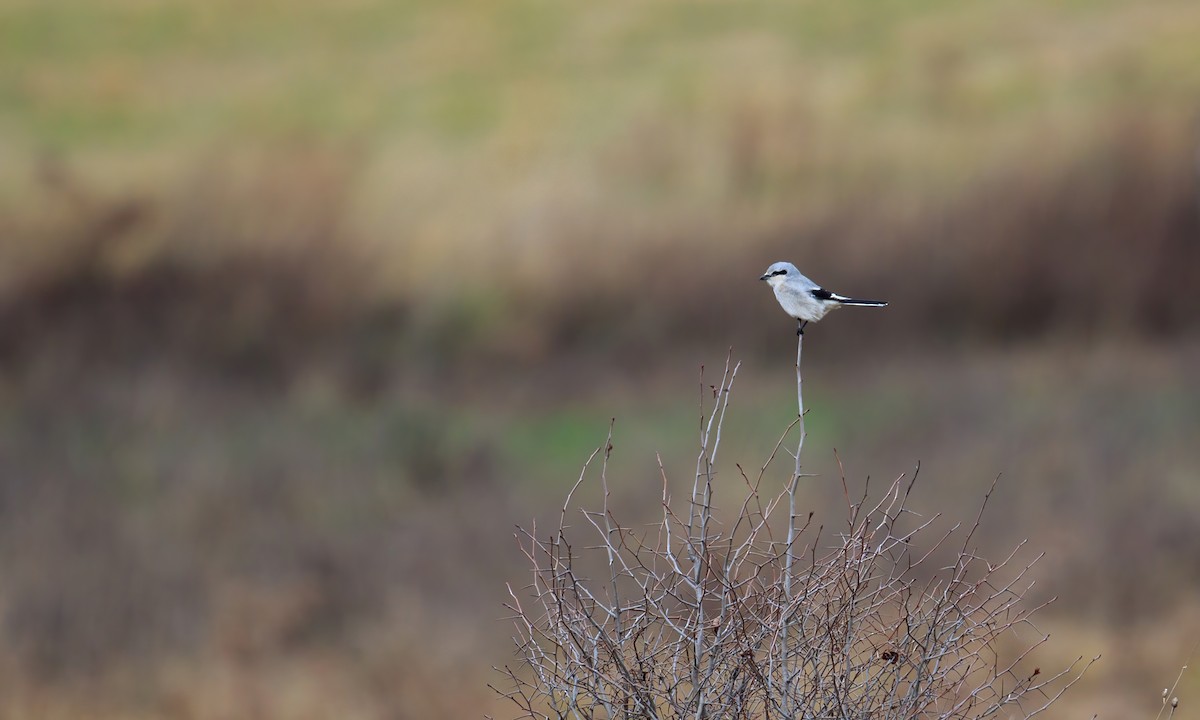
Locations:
{"points": [[303, 305]]}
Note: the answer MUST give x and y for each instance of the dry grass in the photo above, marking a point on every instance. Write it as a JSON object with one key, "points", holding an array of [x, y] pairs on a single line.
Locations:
{"points": [[290, 296], [527, 167], [257, 267]]}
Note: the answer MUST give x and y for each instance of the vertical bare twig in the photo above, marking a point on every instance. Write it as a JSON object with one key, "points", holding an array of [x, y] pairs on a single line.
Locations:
{"points": [[793, 486]]}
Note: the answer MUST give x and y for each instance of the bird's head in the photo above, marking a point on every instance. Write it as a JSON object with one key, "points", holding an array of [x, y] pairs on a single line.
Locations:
{"points": [[779, 272]]}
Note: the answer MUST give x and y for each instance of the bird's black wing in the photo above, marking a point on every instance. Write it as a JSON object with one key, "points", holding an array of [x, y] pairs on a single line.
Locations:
{"points": [[822, 294]]}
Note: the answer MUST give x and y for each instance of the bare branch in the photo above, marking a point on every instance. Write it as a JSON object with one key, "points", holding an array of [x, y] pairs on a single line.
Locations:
{"points": [[693, 617]]}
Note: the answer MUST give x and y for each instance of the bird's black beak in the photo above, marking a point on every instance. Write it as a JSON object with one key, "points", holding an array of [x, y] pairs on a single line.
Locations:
{"points": [[764, 277]]}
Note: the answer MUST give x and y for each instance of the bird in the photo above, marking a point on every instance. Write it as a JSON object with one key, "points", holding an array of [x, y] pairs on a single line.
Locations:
{"points": [[802, 298]]}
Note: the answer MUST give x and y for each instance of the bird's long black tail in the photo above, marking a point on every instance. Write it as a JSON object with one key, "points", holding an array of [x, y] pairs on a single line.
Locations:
{"points": [[854, 301]]}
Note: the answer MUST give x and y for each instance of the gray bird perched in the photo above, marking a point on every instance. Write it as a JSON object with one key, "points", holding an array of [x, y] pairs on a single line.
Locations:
{"points": [[802, 298]]}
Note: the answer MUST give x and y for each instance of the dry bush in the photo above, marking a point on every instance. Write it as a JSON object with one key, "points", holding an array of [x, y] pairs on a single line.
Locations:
{"points": [[243, 267], [695, 617], [1016, 250]]}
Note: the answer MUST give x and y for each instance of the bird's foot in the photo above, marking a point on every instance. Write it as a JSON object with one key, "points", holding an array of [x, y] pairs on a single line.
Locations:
{"points": [[800, 328]]}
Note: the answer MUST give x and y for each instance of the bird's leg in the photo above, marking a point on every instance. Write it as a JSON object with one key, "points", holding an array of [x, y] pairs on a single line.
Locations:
{"points": [[800, 327]]}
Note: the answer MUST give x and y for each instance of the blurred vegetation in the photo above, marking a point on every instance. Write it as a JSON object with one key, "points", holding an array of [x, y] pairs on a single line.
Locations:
{"points": [[502, 173], [304, 304]]}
